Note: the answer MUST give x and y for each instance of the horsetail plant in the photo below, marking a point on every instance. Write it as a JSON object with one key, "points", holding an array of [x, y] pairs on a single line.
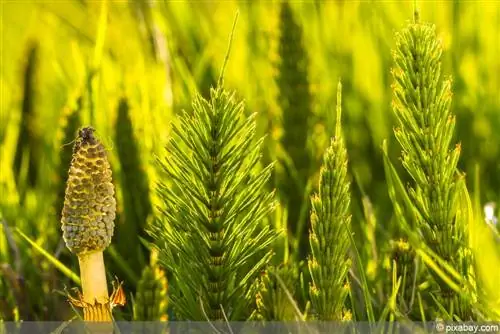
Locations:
{"points": [[210, 231], [329, 238], [134, 181], [402, 263], [87, 223], [421, 102], [28, 146], [295, 103], [273, 302], [151, 299]]}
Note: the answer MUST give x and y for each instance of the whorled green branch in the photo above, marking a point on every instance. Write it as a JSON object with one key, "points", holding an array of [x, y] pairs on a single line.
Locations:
{"points": [[210, 231], [151, 300], [276, 285], [329, 236], [421, 102]]}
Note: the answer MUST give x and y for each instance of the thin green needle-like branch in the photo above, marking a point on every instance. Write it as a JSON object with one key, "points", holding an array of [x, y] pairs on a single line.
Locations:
{"points": [[421, 102], [330, 225]]}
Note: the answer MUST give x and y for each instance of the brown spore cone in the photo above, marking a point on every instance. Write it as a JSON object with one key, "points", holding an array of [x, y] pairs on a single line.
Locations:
{"points": [[89, 204]]}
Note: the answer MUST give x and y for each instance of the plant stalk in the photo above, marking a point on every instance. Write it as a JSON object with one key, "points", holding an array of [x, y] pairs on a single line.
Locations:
{"points": [[94, 286], [93, 277]]}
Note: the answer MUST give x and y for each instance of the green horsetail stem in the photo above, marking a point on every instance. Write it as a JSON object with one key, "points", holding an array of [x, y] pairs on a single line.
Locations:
{"points": [[88, 222], [329, 262], [421, 102], [295, 102], [151, 300], [134, 180], [272, 301], [402, 255], [211, 231], [28, 146]]}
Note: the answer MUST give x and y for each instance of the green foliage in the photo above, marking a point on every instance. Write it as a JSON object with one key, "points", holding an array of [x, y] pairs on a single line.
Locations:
{"points": [[213, 209], [27, 158], [135, 192], [425, 129], [155, 55], [275, 294], [402, 263], [68, 127], [330, 225], [295, 102], [151, 300]]}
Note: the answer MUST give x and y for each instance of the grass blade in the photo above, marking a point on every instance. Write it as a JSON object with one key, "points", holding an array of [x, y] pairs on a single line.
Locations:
{"points": [[62, 268]]}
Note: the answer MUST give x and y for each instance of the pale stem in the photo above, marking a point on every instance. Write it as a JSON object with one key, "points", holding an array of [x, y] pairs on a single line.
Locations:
{"points": [[93, 277]]}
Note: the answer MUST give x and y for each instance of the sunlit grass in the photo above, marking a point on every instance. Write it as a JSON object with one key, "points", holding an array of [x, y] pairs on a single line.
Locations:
{"points": [[157, 55]]}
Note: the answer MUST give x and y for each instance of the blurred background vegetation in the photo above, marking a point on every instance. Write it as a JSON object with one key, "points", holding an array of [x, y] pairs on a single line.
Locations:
{"points": [[127, 68]]}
